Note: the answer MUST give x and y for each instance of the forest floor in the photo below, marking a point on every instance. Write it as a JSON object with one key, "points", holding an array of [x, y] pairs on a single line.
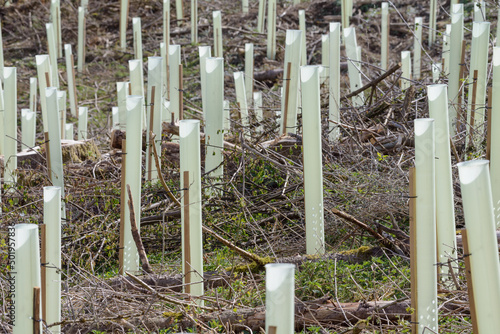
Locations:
{"points": [[361, 284]]}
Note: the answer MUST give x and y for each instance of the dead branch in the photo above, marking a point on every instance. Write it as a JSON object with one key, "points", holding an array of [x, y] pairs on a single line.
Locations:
{"points": [[137, 237]]}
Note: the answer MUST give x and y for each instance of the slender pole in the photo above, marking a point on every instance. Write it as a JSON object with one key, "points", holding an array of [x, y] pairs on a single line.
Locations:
{"points": [[417, 47], [353, 64], [280, 301], [290, 102], [122, 207], [312, 160], [494, 123], [261, 16], [302, 27], [28, 128], [10, 126], [137, 31], [181, 94], [43, 72], [249, 62], [133, 178], [52, 47], [384, 45], [81, 39], [427, 308], [70, 76], [82, 123], [205, 52], [433, 11], [154, 115], [445, 211], [175, 61], [482, 242], [217, 33], [455, 68], [413, 252], [334, 83], [271, 29], [405, 69], [192, 260], [124, 7], [194, 21]]}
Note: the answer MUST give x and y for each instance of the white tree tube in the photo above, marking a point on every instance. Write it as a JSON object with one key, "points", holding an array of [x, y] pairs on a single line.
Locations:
{"points": [[115, 116], [353, 64], [417, 47], [52, 47], [313, 161], [137, 83], [244, 6], [334, 84], [457, 36], [194, 21], [82, 123], [432, 21], [446, 50], [2, 116], [214, 129], [479, 11], [257, 102], [164, 53], [227, 117], [10, 125], [346, 12], [241, 99], [302, 27], [249, 72], [43, 73], [52, 221], [427, 308], [81, 39], [192, 243], [124, 4], [271, 29], [28, 128], [217, 33], [69, 131], [56, 162], [405, 69], [1, 54], [174, 52], [26, 274], [179, 11], [325, 57], [133, 161], [122, 90], [205, 52], [137, 31], [55, 17], [384, 45], [280, 298], [479, 62], [70, 76], [61, 103], [483, 246], [154, 114], [291, 76], [166, 22], [33, 88], [495, 135], [445, 211], [261, 16]]}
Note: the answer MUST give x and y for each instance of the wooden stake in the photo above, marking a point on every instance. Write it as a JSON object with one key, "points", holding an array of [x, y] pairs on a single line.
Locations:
{"points": [[272, 330], [468, 274], [413, 252], [181, 94], [43, 269], [460, 85], [473, 109], [122, 208], [287, 94], [47, 80], [488, 128], [151, 122], [36, 310], [187, 246]]}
